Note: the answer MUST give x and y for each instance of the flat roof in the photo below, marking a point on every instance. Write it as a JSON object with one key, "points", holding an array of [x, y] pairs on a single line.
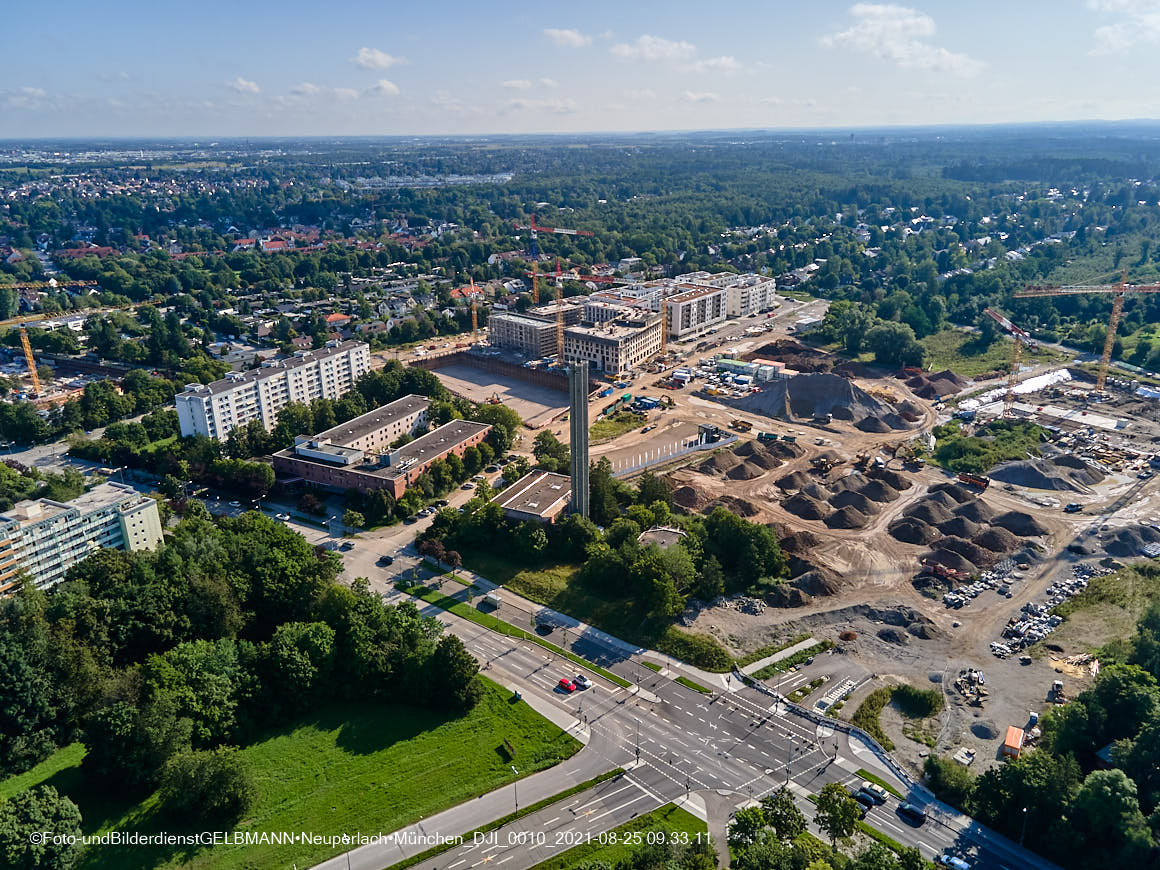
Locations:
{"points": [[689, 292], [525, 319], [271, 368], [364, 424], [537, 492], [100, 496], [435, 443], [613, 329], [1014, 737]]}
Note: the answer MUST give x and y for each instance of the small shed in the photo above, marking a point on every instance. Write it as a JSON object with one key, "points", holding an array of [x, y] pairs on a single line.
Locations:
{"points": [[1013, 742]]}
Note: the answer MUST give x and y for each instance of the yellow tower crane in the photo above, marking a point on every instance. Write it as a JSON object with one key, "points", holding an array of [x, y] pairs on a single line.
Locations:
{"points": [[29, 359]]}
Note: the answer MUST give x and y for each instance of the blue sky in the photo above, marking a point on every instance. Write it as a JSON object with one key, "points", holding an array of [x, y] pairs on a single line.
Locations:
{"points": [[343, 67]]}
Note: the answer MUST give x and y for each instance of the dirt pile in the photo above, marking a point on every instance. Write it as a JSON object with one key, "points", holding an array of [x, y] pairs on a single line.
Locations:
{"points": [[690, 498], [973, 553], [911, 530], [1129, 540], [1022, 524], [896, 636], [847, 518], [891, 478], [718, 463], [951, 559], [740, 506], [854, 499], [794, 480], [809, 395], [816, 490], [805, 507], [795, 355], [959, 527], [960, 494], [976, 511], [800, 543], [1061, 473], [818, 582], [997, 540], [941, 498], [879, 491], [745, 471], [854, 481], [929, 512], [936, 385], [910, 411], [765, 455], [788, 596]]}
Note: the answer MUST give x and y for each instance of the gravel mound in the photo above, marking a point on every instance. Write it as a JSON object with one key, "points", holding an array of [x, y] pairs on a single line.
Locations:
{"points": [[783, 449], [973, 553], [816, 490], [892, 478], [794, 480], [879, 491], [960, 494], [896, 636], [765, 461], [689, 497], [818, 582], [719, 463], [876, 425], [854, 499], [959, 527], [910, 411], [800, 542], [855, 480], [1062, 473], [913, 531], [805, 507], [788, 596], [745, 471], [997, 540], [1129, 540], [739, 506], [932, 386], [847, 518], [976, 511], [809, 395], [928, 512], [942, 499], [1020, 523]]}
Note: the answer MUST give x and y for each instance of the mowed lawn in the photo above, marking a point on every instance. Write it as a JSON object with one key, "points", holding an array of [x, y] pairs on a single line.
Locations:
{"points": [[630, 838], [962, 352], [352, 768]]}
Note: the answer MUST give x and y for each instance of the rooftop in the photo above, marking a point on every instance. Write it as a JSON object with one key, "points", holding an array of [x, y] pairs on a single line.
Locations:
{"points": [[689, 292], [363, 425], [537, 492], [271, 368], [613, 330], [102, 496], [525, 319]]}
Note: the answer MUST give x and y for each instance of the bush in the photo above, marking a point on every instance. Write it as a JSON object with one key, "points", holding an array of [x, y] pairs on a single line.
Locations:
{"points": [[915, 703], [699, 650], [866, 716], [209, 786], [39, 809], [950, 782]]}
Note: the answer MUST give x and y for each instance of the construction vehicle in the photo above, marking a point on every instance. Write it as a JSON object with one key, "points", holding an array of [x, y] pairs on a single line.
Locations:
{"points": [[766, 436], [944, 571], [1055, 695], [823, 419], [823, 464], [789, 438], [1117, 290], [861, 461], [740, 425], [974, 480]]}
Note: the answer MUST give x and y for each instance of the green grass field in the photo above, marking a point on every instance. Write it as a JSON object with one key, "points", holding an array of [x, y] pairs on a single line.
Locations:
{"points": [[961, 352], [667, 818], [368, 768], [60, 767], [617, 424]]}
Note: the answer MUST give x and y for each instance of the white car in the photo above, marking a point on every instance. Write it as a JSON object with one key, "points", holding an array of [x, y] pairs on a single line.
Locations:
{"points": [[952, 861], [874, 790], [581, 682], [282, 517]]}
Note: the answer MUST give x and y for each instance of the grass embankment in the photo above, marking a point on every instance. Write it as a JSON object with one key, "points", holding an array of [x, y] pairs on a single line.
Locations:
{"points": [[963, 353], [911, 702], [469, 837], [557, 587], [615, 426], [877, 780], [670, 818], [790, 661], [62, 765], [1102, 616], [465, 610], [348, 768], [769, 649], [996, 442]]}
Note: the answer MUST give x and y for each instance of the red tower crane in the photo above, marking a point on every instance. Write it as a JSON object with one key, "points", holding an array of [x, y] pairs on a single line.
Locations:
{"points": [[533, 228]]}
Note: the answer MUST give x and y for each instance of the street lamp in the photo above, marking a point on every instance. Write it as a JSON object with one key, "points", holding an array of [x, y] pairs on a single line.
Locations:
{"points": [[515, 786], [1023, 833], [788, 748]]}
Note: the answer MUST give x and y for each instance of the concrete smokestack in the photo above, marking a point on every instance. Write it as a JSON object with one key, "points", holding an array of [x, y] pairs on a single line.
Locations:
{"points": [[578, 423]]}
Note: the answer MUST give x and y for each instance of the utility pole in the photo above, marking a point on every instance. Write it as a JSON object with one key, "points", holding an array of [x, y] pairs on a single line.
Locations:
{"points": [[515, 786]]}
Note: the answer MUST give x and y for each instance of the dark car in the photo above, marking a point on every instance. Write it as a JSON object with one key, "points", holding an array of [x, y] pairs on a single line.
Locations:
{"points": [[411, 520], [386, 560], [346, 545], [913, 813], [864, 800]]}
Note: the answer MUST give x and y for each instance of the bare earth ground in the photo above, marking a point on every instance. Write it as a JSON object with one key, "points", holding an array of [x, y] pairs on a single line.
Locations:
{"points": [[536, 405]]}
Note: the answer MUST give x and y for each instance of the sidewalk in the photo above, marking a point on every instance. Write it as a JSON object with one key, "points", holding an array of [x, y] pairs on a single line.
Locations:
{"points": [[756, 666]]}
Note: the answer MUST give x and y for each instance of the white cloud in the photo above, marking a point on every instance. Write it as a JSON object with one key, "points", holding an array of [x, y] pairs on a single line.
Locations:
{"points": [[700, 96], [725, 63], [244, 86], [383, 88], [899, 35], [552, 106], [549, 83], [36, 93], [655, 48], [516, 84], [641, 94], [306, 89], [1139, 23], [372, 58], [345, 95], [567, 38]]}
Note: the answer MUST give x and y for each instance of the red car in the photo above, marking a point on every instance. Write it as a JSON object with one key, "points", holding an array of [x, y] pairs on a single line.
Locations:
{"points": [[566, 685]]}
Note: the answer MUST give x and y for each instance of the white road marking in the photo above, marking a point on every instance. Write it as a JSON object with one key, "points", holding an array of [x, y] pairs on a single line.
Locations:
{"points": [[457, 863], [552, 821]]}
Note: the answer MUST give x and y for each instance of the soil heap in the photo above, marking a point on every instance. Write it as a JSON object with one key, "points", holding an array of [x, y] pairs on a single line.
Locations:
{"points": [[810, 395], [1061, 473]]}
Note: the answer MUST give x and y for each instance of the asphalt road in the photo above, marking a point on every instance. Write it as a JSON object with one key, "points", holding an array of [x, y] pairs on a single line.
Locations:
{"points": [[674, 742]]}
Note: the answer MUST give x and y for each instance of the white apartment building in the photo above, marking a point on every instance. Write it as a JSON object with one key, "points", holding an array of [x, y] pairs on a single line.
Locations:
{"points": [[214, 409], [746, 294], [533, 336], [44, 538], [694, 309], [615, 346]]}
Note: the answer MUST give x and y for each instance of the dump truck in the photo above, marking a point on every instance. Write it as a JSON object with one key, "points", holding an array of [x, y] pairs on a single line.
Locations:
{"points": [[974, 480], [740, 425], [766, 436]]}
